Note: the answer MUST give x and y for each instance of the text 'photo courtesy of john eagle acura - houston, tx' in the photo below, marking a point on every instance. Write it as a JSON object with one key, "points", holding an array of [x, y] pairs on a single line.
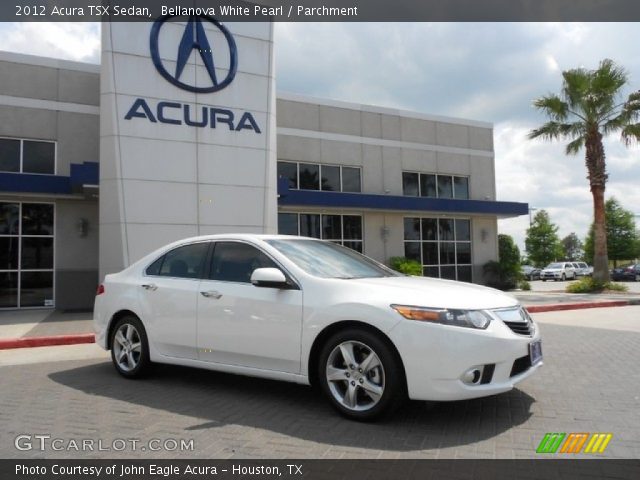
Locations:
{"points": [[310, 311]]}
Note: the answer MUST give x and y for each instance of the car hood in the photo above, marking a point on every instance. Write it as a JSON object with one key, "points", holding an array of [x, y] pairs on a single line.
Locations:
{"points": [[433, 292], [552, 270]]}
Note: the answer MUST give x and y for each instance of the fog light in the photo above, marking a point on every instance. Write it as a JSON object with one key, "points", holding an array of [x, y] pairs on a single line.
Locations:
{"points": [[471, 376]]}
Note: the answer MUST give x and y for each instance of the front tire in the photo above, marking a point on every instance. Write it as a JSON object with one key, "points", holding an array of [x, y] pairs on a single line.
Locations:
{"points": [[361, 375], [130, 348], [564, 277]]}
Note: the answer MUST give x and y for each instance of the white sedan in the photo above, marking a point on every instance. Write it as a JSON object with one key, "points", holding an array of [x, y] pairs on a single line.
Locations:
{"points": [[312, 312]]}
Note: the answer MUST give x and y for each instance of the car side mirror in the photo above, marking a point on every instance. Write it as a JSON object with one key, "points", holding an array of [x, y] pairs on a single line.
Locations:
{"points": [[269, 277]]}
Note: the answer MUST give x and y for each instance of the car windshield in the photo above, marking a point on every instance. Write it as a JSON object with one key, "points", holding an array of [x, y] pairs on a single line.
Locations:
{"points": [[554, 265], [328, 260]]}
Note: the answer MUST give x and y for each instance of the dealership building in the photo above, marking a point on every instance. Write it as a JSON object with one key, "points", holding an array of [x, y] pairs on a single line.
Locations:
{"points": [[179, 132]]}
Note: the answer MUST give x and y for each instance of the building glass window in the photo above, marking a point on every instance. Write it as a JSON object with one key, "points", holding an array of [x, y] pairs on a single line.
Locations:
{"points": [[27, 156], [351, 181], [435, 186], [330, 179], [410, 184], [344, 230], [311, 176], [288, 223], [26, 254], [289, 170], [9, 155], [441, 245], [428, 186]]}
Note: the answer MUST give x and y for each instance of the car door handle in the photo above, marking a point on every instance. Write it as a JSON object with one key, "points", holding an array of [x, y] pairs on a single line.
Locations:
{"points": [[150, 286], [211, 294]]}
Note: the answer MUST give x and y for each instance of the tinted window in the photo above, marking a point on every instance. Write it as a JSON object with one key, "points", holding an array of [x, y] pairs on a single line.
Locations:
{"points": [[290, 171], [9, 155], [410, 184], [309, 177], [412, 229], [185, 262], [330, 178], [445, 187], [8, 289], [331, 228], [463, 230], [352, 227], [310, 225], [428, 186], [9, 213], [36, 289], [154, 268], [8, 253], [37, 219], [288, 223], [351, 179], [39, 157], [37, 253], [235, 262], [461, 187]]}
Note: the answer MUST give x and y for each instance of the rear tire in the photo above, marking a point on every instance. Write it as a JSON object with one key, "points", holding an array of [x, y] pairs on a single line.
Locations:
{"points": [[130, 348], [361, 375]]}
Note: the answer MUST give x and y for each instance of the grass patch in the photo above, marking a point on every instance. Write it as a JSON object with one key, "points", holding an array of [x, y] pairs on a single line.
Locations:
{"points": [[589, 285]]}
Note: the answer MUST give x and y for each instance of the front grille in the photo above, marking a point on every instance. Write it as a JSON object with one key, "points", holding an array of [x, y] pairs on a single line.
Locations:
{"points": [[517, 319], [521, 365], [520, 328]]}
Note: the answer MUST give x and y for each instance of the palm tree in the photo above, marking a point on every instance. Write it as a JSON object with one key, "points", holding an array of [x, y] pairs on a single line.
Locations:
{"points": [[588, 108]]}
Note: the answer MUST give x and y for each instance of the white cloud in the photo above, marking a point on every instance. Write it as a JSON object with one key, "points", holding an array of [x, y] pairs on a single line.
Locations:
{"points": [[70, 41]]}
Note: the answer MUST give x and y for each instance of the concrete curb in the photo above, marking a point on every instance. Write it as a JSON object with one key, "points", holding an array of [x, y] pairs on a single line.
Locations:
{"points": [[29, 342], [581, 305]]}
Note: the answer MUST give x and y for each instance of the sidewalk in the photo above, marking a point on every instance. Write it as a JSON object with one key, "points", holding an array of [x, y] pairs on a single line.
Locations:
{"points": [[28, 328]]}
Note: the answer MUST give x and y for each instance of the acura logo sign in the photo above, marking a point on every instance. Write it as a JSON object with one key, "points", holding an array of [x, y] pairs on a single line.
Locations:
{"points": [[195, 38]]}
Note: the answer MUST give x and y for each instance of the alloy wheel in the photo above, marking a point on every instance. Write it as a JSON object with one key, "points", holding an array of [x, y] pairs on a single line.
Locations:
{"points": [[127, 347], [355, 376]]}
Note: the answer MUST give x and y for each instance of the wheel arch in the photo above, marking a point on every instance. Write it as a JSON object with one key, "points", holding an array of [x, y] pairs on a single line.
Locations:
{"points": [[329, 330], [114, 319]]}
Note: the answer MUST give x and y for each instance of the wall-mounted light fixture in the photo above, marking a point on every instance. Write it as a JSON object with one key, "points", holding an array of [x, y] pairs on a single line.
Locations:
{"points": [[82, 227], [484, 235]]}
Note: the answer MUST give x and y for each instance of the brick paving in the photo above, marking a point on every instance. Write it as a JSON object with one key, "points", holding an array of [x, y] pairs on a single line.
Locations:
{"points": [[590, 383]]}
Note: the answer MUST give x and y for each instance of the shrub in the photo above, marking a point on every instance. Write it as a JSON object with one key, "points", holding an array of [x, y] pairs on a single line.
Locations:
{"points": [[589, 285], [497, 276], [405, 265], [525, 285]]}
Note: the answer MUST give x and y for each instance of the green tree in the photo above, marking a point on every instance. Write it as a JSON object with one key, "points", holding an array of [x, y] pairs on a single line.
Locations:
{"points": [[622, 237], [505, 273], [588, 107], [542, 242], [573, 247]]}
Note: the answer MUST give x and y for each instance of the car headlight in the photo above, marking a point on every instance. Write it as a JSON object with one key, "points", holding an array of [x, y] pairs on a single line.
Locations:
{"points": [[447, 316]]}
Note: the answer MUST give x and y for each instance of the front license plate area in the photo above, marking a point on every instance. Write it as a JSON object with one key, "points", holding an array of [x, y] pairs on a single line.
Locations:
{"points": [[535, 352]]}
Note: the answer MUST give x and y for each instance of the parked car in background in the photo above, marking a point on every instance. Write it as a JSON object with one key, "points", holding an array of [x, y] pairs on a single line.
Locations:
{"points": [[582, 269], [626, 273], [530, 272], [558, 271]]}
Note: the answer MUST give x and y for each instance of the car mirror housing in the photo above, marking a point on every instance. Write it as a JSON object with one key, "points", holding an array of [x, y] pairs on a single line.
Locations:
{"points": [[269, 277]]}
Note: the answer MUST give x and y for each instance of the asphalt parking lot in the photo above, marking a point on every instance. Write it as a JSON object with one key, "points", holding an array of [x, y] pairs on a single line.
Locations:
{"points": [[590, 383]]}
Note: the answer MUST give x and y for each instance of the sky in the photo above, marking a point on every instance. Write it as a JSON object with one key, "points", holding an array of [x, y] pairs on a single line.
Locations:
{"points": [[483, 71]]}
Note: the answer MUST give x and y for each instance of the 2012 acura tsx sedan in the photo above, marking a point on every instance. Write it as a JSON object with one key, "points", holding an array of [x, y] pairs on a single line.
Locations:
{"points": [[309, 311]]}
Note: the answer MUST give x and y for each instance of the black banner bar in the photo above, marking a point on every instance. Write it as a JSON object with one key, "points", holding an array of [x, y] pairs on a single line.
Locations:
{"points": [[325, 10], [552, 469]]}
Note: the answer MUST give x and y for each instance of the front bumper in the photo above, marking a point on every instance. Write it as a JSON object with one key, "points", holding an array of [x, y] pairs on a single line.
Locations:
{"points": [[436, 358], [551, 275]]}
